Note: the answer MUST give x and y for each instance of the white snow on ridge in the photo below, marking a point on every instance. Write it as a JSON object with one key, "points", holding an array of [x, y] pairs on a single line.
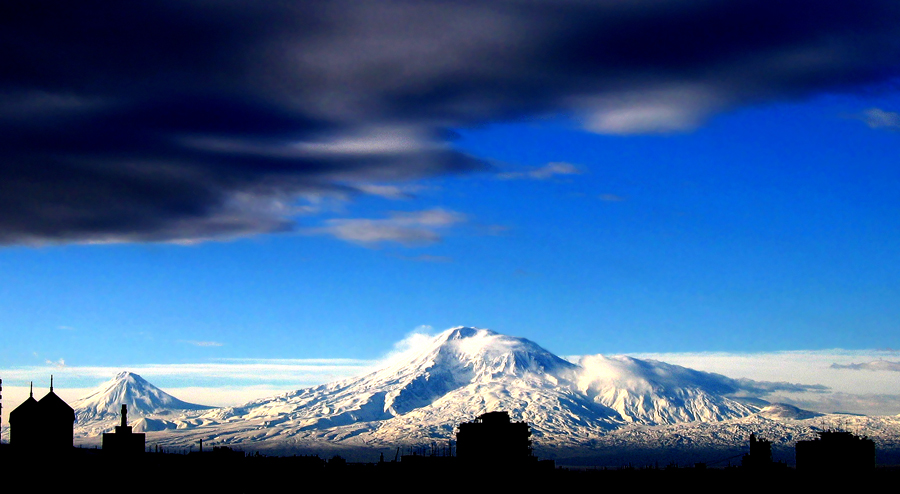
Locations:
{"points": [[463, 372]]}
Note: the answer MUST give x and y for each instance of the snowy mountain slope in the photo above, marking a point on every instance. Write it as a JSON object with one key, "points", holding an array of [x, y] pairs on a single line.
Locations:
{"points": [[143, 399], [462, 373], [456, 360], [652, 392], [598, 404], [782, 411]]}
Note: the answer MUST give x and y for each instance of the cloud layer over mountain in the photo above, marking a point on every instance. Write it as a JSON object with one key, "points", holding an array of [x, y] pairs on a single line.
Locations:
{"points": [[194, 119]]}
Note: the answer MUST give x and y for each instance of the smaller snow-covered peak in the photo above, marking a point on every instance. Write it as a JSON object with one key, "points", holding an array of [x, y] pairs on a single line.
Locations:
{"points": [[653, 392], [128, 388], [783, 411]]}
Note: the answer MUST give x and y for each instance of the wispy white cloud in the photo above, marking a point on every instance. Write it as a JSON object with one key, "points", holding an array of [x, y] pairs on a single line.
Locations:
{"points": [[545, 172], [385, 140], [427, 258], [406, 228], [877, 118], [611, 198], [864, 403], [414, 342], [389, 191], [677, 107], [202, 343], [877, 365], [285, 374]]}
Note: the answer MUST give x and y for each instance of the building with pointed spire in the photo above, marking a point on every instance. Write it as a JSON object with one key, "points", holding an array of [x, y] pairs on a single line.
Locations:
{"points": [[24, 421], [45, 425]]}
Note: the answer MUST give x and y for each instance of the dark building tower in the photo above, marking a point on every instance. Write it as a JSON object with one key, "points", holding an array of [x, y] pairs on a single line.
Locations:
{"points": [[760, 455], [123, 441], [47, 425], [493, 438], [836, 451]]}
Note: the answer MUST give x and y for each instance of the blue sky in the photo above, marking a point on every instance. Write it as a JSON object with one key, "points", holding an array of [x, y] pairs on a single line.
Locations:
{"points": [[709, 198]]}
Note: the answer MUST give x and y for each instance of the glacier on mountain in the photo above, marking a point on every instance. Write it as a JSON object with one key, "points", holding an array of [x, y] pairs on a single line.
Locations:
{"points": [[419, 398]]}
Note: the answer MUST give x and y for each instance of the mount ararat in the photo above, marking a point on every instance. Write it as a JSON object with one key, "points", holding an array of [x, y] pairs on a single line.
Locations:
{"points": [[599, 407]]}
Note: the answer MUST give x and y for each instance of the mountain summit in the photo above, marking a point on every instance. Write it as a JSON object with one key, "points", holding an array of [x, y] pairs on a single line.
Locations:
{"points": [[127, 388], [422, 394]]}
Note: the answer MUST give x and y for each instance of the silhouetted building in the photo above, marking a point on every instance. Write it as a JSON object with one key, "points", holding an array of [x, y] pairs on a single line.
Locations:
{"points": [[47, 425], [123, 441], [760, 455], [493, 438], [835, 451]]}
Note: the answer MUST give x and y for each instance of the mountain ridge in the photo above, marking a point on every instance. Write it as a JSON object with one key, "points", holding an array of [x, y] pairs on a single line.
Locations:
{"points": [[420, 396]]}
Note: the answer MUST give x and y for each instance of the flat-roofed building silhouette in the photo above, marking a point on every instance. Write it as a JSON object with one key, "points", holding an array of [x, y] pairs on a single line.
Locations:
{"points": [[493, 438], [760, 455], [836, 451]]}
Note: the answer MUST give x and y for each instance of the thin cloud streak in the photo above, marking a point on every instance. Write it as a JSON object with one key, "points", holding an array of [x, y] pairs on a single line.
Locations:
{"points": [[877, 118], [611, 198], [546, 172], [203, 343], [878, 365], [408, 229], [291, 374]]}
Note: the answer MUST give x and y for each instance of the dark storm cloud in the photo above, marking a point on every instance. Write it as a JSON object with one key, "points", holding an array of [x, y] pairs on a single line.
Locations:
{"points": [[187, 120]]}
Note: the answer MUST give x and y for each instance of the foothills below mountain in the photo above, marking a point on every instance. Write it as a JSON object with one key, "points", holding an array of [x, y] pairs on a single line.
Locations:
{"points": [[596, 408]]}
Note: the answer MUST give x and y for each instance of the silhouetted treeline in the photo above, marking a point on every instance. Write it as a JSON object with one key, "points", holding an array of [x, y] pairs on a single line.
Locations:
{"points": [[226, 470]]}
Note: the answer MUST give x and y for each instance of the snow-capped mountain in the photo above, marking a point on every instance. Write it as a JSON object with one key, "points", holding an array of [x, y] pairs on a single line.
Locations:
{"points": [[783, 411], [127, 388], [466, 371], [463, 372], [605, 402]]}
